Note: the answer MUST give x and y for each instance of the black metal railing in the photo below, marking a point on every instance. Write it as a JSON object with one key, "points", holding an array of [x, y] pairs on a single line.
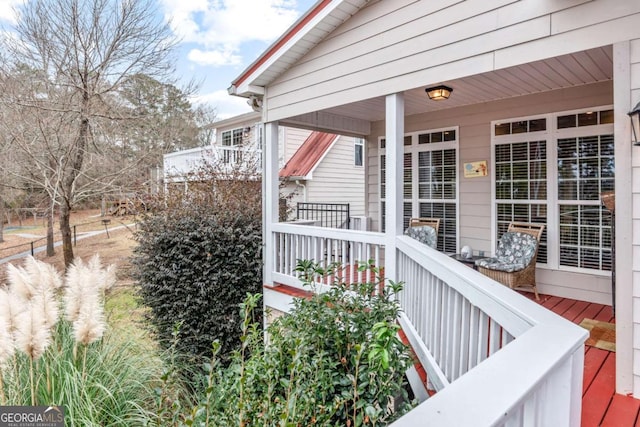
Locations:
{"points": [[331, 215]]}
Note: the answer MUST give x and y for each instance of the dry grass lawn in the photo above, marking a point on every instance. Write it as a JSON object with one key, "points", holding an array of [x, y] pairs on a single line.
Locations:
{"points": [[115, 249], [123, 309]]}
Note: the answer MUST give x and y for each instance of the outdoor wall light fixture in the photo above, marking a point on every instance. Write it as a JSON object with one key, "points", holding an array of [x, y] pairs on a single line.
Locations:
{"points": [[634, 115], [439, 93]]}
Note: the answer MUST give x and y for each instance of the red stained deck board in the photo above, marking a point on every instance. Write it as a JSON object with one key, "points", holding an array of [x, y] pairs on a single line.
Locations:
{"points": [[596, 400], [563, 306], [623, 411], [575, 311], [605, 315], [550, 302], [591, 312], [289, 290], [593, 360]]}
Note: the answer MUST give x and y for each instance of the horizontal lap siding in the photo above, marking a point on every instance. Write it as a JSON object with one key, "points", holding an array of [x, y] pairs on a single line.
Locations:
{"points": [[293, 139], [337, 180], [393, 46], [634, 57], [475, 193]]}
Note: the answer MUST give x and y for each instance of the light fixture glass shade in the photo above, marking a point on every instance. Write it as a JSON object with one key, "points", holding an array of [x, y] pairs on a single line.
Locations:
{"points": [[634, 115], [439, 93]]}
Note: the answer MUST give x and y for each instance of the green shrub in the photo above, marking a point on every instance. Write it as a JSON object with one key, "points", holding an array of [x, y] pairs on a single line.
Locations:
{"points": [[194, 270], [197, 258], [334, 360]]}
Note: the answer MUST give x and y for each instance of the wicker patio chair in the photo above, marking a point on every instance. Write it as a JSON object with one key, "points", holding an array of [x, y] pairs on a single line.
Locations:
{"points": [[424, 230], [515, 262]]}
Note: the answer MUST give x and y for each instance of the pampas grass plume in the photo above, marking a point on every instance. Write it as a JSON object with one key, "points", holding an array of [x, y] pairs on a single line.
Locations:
{"points": [[20, 283], [42, 275], [7, 346], [86, 283], [90, 325], [32, 333], [14, 305]]}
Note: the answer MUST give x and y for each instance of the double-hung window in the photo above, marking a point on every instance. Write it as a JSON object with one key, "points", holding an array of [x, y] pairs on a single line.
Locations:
{"points": [[430, 181], [553, 169], [232, 138]]}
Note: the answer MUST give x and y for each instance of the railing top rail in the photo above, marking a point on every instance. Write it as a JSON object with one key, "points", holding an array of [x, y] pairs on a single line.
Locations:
{"points": [[187, 151], [515, 313], [521, 364], [370, 237], [202, 151]]}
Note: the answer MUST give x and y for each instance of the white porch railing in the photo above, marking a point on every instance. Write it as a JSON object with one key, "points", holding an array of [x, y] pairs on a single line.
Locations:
{"points": [[495, 357], [293, 242], [178, 165]]}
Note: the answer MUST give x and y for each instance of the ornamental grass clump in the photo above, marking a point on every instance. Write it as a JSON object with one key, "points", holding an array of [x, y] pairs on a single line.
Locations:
{"points": [[84, 302], [33, 291], [39, 363]]}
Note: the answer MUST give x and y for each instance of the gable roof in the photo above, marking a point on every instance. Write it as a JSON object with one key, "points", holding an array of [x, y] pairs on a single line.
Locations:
{"points": [[312, 27], [308, 155]]}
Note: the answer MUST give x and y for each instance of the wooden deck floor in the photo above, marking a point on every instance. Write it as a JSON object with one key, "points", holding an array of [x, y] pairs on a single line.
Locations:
{"points": [[601, 406]]}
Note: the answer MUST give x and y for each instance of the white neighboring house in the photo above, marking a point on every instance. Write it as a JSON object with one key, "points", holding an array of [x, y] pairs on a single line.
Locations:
{"points": [[308, 162]]}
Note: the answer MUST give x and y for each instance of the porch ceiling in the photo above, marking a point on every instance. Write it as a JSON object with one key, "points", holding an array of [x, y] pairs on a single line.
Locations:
{"points": [[576, 69]]}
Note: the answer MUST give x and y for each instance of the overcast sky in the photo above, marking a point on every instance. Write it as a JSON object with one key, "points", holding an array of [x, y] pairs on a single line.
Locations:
{"points": [[220, 38]]}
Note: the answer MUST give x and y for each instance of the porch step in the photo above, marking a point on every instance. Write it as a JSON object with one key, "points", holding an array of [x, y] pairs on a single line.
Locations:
{"points": [[289, 290], [419, 369]]}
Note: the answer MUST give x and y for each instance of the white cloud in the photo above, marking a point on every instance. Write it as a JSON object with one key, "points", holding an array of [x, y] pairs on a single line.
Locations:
{"points": [[220, 27], [7, 10], [225, 104], [214, 57]]}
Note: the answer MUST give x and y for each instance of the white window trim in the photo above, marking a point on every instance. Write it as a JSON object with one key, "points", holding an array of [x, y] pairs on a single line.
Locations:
{"points": [[231, 132], [361, 142], [415, 148], [551, 136]]}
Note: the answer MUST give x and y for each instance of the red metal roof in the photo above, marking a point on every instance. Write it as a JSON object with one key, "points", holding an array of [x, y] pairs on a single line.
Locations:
{"points": [[308, 155]]}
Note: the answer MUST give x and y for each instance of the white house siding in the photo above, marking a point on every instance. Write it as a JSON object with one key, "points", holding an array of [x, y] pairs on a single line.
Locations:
{"points": [[390, 46], [633, 312], [337, 180], [475, 222], [291, 139]]}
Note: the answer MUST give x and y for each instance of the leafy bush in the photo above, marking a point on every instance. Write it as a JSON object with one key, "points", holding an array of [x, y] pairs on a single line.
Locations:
{"points": [[197, 258], [335, 359]]}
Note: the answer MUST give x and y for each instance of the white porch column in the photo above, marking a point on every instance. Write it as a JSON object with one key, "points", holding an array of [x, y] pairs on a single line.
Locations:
{"points": [[625, 153], [270, 197], [394, 133]]}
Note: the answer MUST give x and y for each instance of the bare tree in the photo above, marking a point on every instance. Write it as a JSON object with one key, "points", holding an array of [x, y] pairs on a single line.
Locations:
{"points": [[81, 52]]}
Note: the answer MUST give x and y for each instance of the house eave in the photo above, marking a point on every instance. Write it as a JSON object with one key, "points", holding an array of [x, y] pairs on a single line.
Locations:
{"points": [[305, 31]]}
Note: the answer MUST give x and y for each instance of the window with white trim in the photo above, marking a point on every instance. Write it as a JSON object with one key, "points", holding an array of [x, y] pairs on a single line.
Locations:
{"points": [[430, 182], [232, 137], [358, 152], [552, 169]]}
